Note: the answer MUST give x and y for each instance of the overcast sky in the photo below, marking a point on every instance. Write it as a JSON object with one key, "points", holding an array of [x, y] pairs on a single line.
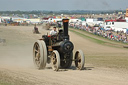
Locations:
{"points": [[55, 5]]}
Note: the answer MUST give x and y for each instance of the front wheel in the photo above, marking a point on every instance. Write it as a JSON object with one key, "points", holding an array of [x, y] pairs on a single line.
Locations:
{"points": [[79, 59], [55, 60]]}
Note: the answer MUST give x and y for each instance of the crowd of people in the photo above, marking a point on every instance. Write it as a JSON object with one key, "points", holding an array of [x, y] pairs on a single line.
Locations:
{"points": [[98, 30]]}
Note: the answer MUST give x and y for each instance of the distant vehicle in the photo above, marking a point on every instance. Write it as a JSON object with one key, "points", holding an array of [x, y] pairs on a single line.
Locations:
{"points": [[71, 24], [46, 26], [93, 22], [52, 20], [116, 26], [74, 20], [59, 24], [121, 29], [108, 28]]}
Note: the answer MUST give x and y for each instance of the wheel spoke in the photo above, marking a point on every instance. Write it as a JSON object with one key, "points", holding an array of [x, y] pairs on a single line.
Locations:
{"points": [[54, 59], [79, 65], [36, 45], [36, 50], [38, 63], [53, 55], [37, 56], [79, 56]]}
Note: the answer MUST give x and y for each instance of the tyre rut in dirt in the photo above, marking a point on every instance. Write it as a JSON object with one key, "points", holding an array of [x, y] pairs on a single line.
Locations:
{"points": [[79, 59], [40, 54], [55, 60]]}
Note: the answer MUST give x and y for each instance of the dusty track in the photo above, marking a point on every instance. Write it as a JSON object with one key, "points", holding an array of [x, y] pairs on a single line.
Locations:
{"points": [[17, 68]]}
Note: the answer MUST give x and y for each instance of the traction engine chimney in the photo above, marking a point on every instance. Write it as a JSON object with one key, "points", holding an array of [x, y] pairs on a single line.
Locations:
{"points": [[65, 26]]}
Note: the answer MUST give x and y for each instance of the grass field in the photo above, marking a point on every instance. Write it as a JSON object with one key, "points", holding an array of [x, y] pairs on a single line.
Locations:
{"points": [[4, 83], [97, 39], [116, 59]]}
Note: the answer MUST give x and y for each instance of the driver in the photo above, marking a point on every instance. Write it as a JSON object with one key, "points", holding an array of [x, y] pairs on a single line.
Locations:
{"points": [[53, 32]]}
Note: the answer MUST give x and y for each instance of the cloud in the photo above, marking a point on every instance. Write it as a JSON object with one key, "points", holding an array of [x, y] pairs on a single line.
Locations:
{"points": [[104, 3]]}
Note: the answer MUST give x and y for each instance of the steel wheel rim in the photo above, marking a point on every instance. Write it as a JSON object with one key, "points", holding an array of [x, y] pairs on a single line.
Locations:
{"points": [[55, 60], [40, 54], [37, 54], [79, 59]]}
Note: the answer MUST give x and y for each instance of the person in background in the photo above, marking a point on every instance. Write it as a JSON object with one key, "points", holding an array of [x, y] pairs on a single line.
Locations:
{"points": [[36, 29]]}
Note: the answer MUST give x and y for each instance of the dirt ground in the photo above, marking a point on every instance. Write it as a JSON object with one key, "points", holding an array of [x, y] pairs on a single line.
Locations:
{"points": [[105, 65]]}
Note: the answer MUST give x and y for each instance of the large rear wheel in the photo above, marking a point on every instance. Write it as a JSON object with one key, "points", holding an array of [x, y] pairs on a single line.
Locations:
{"points": [[40, 54]]}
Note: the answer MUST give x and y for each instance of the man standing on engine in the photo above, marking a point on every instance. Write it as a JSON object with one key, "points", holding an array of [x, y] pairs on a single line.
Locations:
{"points": [[53, 32]]}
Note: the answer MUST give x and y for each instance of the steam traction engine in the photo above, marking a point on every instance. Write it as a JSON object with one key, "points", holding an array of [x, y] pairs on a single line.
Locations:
{"points": [[57, 50]]}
